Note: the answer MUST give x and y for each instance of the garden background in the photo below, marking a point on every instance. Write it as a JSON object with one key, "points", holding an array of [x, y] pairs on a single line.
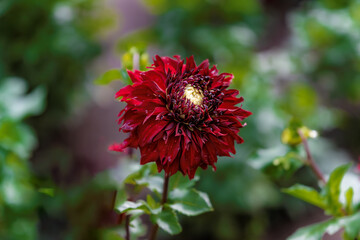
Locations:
{"points": [[293, 60]]}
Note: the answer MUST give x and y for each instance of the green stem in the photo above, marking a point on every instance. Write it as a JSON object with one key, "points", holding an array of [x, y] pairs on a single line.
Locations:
{"points": [[313, 165], [155, 227], [310, 159]]}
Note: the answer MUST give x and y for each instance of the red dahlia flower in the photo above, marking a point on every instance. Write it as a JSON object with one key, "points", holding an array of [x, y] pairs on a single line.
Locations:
{"points": [[181, 116]]}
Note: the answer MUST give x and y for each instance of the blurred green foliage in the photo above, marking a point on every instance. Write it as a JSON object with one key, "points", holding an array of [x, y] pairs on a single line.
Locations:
{"points": [[344, 214], [51, 43], [325, 44], [311, 78], [134, 59], [18, 196]]}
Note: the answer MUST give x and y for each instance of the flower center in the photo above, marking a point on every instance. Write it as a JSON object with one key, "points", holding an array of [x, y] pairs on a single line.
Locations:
{"points": [[194, 95]]}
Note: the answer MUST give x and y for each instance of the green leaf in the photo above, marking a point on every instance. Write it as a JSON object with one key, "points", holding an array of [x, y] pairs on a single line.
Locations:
{"points": [[285, 166], [109, 76], [313, 232], [16, 137], [137, 228], [125, 76], [140, 171], [154, 183], [129, 205], [332, 190], [351, 225], [111, 234], [189, 202], [145, 176], [306, 194], [15, 104], [151, 202], [278, 162], [167, 221], [120, 199], [316, 231], [139, 207], [48, 191], [349, 200], [179, 181], [290, 136]]}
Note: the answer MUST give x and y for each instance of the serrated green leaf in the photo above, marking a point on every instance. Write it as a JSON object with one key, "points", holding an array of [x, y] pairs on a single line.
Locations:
{"points": [[306, 194], [145, 176], [109, 76], [129, 205], [179, 181], [189, 202], [137, 208], [167, 221], [154, 183], [332, 190], [140, 171]]}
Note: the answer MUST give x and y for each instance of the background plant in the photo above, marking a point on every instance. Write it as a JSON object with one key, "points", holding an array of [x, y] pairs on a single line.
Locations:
{"points": [[18, 193], [296, 60]]}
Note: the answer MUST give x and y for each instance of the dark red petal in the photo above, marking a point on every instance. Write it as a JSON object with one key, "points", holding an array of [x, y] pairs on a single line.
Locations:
{"points": [[190, 64], [156, 111], [171, 63], [154, 77], [229, 103], [169, 151], [203, 66], [118, 147], [150, 129], [209, 153], [214, 71], [135, 76], [124, 91], [158, 62], [148, 154]]}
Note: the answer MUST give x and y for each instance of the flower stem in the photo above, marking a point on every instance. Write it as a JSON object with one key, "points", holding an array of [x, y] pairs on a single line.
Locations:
{"points": [[165, 189], [155, 227], [314, 167], [310, 160], [127, 227]]}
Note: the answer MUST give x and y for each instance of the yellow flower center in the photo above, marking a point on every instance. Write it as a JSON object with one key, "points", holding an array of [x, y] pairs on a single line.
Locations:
{"points": [[193, 95]]}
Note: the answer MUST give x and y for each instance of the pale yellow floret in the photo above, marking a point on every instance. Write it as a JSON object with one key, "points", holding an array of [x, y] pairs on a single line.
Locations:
{"points": [[193, 95]]}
